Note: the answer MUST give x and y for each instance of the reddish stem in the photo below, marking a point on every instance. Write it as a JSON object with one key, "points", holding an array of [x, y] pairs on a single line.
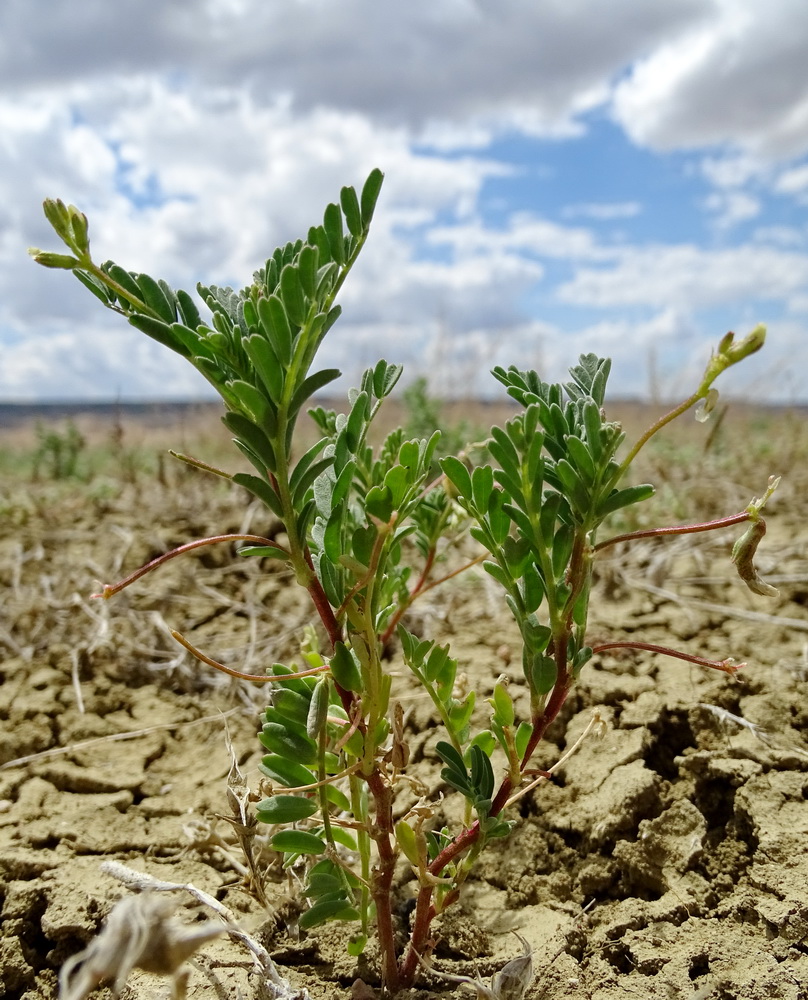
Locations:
{"points": [[424, 908], [382, 881], [258, 678], [727, 665], [416, 590], [112, 589], [425, 590], [679, 529], [325, 611], [382, 830]]}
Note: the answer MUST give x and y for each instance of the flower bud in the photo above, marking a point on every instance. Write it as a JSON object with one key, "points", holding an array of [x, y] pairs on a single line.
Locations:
{"points": [[749, 345], [48, 259], [729, 353]]}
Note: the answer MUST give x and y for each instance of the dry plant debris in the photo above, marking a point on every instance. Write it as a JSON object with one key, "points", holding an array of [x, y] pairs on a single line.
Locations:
{"points": [[140, 933]]}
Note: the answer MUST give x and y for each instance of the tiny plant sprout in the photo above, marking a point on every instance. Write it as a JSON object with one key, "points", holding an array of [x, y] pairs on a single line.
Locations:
{"points": [[368, 529]]}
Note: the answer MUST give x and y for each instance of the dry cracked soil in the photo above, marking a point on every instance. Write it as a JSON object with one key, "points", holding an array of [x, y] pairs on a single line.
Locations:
{"points": [[667, 859]]}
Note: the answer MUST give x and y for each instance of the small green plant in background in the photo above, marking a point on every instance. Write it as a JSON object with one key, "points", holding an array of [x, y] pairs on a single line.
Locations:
{"points": [[365, 529], [58, 452], [424, 414]]}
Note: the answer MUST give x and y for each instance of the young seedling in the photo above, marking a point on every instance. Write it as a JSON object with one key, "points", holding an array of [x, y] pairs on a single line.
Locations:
{"points": [[364, 530]]}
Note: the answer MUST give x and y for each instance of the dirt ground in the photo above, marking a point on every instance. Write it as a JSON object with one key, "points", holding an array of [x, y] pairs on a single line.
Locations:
{"points": [[668, 859]]}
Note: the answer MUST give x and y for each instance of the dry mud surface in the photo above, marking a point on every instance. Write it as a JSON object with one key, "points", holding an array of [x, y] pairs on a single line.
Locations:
{"points": [[669, 859]]}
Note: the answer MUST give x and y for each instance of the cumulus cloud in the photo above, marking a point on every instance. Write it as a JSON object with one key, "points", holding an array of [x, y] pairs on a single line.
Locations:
{"points": [[503, 62], [731, 207], [524, 233], [737, 75], [731, 170], [197, 137], [689, 277], [793, 181]]}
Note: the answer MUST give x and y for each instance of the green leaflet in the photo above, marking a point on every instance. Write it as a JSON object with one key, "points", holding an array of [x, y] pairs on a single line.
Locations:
{"points": [[328, 909], [351, 210], [287, 772], [261, 489], [297, 842], [285, 743], [332, 223], [285, 809], [370, 194], [345, 669], [156, 297]]}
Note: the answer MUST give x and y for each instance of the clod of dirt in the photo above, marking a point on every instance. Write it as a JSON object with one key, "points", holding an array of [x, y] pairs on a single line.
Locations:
{"points": [[665, 848]]}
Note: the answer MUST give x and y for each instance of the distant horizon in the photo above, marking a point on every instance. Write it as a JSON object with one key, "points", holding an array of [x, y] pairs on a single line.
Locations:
{"points": [[335, 402]]}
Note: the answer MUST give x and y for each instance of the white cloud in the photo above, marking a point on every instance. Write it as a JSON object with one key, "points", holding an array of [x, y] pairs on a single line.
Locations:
{"points": [[731, 170], [798, 303], [737, 75], [526, 66], [524, 233], [215, 210], [689, 278], [793, 181], [731, 207], [784, 236], [603, 211], [103, 362]]}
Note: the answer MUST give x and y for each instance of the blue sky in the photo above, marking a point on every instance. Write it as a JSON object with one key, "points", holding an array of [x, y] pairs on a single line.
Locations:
{"points": [[561, 177]]}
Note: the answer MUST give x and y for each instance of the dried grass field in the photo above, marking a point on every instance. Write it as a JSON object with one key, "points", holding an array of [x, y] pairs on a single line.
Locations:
{"points": [[668, 859]]}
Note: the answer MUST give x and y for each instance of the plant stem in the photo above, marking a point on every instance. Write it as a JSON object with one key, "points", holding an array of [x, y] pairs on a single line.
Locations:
{"points": [[382, 876], [405, 605], [258, 678], [111, 589], [195, 463], [87, 264], [679, 529], [359, 810], [728, 666], [325, 611], [424, 908], [677, 411], [431, 586]]}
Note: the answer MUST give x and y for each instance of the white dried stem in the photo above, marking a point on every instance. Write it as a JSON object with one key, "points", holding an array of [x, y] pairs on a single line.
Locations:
{"points": [[114, 738]]}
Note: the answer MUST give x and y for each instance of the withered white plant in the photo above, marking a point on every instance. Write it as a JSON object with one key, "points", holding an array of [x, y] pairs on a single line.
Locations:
{"points": [[141, 932]]}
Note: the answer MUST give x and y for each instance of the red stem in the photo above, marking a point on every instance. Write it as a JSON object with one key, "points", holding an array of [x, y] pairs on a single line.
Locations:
{"points": [[416, 590], [727, 666], [424, 908], [425, 590], [258, 678], [112, 589], [679, 529], [382, 831], [325, 611]]}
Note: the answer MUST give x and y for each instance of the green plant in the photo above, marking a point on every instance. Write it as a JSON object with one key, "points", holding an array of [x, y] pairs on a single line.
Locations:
{"points": [[58, 451], [364, 533], [424, 415]]}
